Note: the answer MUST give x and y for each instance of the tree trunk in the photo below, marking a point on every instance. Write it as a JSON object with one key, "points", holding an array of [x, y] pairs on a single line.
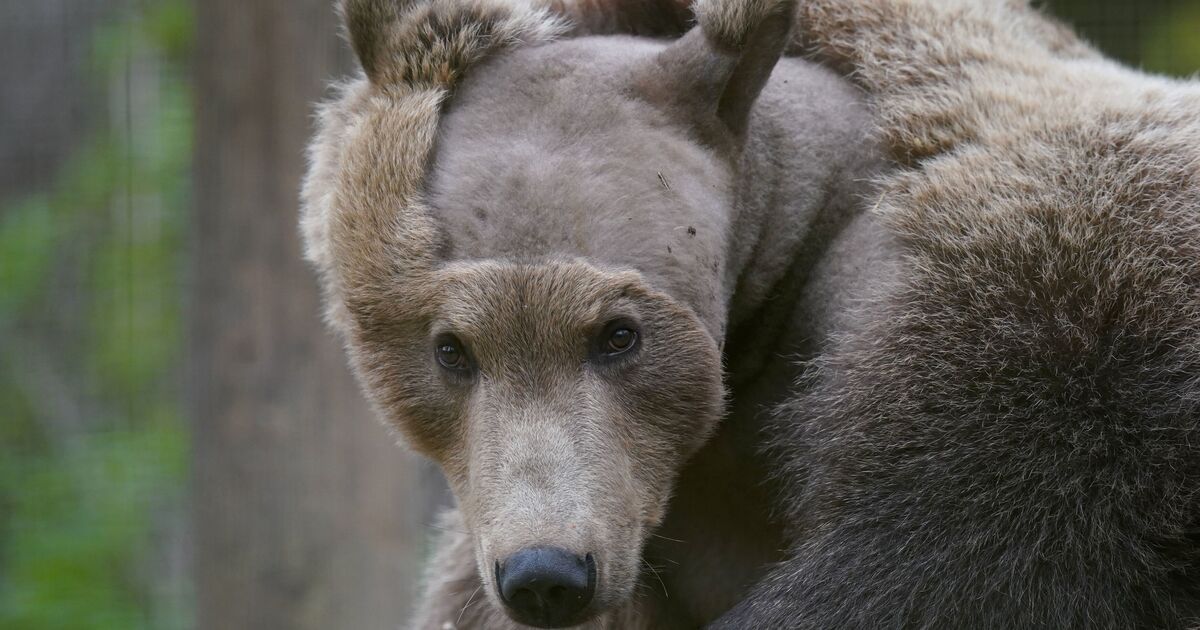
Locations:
{"points": [[306, 513], [48, 108]]}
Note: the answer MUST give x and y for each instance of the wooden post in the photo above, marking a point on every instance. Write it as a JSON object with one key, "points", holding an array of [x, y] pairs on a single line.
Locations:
{"points": [[307, 515]]}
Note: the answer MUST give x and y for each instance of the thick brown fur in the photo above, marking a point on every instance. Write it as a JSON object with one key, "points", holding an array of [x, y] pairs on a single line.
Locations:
{"points": [[1006, 436], [365, 227], [1013, 437], [413, 53], [543, 442]]}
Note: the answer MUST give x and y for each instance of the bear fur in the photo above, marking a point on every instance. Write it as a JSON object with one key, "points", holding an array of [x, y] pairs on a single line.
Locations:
{"points": [[707, 221], [748, 268], [987, 386], [1011, 438]]}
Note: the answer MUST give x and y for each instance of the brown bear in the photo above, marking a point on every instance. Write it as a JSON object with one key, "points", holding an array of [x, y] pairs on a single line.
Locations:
{"points": [[536, 274], [689, 352]]}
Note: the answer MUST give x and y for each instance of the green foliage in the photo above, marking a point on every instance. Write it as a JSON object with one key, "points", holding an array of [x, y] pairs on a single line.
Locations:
{"points": [[76, 530], [1173, 46], [93, 446], [26, 252]]}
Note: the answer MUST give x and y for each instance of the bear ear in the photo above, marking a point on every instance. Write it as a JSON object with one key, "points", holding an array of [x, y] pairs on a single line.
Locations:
{"points": [[366, 23], [431, 43], [713, 74]]}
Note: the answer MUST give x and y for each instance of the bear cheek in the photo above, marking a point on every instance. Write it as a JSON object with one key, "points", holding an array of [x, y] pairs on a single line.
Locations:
{"points": [[436, 434], [428, 416]]}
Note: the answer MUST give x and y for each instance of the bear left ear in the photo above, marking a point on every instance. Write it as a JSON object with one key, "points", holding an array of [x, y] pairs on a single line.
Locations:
{"points": [[714, 73]]}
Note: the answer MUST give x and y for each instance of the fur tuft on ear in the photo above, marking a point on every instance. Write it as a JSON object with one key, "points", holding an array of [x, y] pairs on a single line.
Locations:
{"points": [[430, 43], [714, 73], [364, 226], [364, 22], [730, 23]]}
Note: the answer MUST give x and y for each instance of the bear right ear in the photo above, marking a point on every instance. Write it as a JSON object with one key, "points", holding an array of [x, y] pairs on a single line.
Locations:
{"points": [[431, 43], [366, 23], [713, 74]]}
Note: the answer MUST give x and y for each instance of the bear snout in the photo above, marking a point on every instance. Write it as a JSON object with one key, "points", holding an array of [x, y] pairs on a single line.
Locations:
{"points": [[547, 587]]}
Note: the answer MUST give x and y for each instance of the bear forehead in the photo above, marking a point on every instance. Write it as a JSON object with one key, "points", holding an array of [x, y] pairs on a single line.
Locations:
{"points": [[489, 296]]}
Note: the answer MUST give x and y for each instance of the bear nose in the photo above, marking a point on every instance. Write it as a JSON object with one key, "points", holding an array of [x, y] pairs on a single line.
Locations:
{"points": [[546, 586]]}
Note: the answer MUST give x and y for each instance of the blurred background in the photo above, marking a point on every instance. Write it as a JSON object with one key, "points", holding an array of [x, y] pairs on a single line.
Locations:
{"points": [[181, 445]]}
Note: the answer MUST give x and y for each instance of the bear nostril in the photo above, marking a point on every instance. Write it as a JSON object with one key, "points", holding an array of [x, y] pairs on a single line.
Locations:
{"points": [[546, 586]]}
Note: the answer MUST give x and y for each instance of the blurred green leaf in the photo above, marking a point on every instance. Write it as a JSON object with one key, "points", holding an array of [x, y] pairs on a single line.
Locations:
{"points": [[93, 447], [1173, 44], [27, 240]]}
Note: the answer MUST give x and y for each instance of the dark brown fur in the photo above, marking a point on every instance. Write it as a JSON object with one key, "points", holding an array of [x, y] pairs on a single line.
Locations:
{"points": [[1012, 437]]}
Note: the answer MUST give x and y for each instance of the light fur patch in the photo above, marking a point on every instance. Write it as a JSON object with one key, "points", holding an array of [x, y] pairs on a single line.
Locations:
{"points": [[362, 221], [730, 23]]}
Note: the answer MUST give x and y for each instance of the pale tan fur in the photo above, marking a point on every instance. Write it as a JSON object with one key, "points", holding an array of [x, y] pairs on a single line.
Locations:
{"points": [[361, 214], [730, 23]]}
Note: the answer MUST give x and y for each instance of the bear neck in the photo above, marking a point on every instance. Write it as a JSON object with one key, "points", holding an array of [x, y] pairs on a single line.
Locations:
{"points": [[802, 178]]}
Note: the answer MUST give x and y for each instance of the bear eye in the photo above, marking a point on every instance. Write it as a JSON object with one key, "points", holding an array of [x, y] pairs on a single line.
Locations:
{"points": [[450, 353], [621, 340], [618, 338]]}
